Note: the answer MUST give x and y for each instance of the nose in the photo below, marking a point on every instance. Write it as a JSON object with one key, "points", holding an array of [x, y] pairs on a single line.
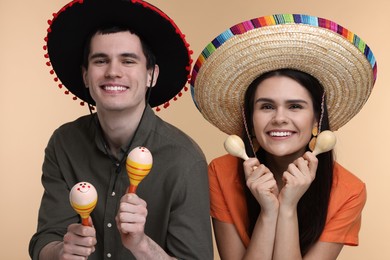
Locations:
{"points": [[113, 70], [280, 116]]}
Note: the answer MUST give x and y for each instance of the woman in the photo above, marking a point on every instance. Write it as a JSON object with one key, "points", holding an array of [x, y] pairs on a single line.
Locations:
{"points": [[278, 81]]}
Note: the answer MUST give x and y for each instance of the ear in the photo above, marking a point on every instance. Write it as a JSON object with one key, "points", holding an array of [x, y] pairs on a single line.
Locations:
{"points": [[314, 130], [155, 76], [85, 76]]}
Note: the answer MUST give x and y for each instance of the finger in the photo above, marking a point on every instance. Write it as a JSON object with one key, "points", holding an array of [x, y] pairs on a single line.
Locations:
{"points": [[299, 168], [287, 177], [250, 165], [132, 198], [293, 169], [301, 163], [81, 230], [125, 207], [313, 162], [75, 251], [131, 218], [262, 176]]}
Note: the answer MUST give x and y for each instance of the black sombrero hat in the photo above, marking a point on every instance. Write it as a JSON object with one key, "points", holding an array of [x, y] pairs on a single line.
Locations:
{"points": [[73, 23]]}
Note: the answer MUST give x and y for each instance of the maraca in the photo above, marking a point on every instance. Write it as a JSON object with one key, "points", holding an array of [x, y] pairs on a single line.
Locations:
{"points": [[326, 140], [83, 198], [138, 165], [235, 146]]}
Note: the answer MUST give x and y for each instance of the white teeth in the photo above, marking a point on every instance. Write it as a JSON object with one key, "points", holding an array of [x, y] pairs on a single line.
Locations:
{"points": [[280, 133], [114, 88]]}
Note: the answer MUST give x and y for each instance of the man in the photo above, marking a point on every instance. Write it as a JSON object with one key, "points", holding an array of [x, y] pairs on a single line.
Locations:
{"points": [[132, 57]]}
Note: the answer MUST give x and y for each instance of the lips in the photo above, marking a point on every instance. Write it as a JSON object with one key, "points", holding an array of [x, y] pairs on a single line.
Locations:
{"points": [[115, 88], [280, 133]]}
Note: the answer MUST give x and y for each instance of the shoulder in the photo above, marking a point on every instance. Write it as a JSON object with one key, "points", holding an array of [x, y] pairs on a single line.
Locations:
{"points": [[347, 188], [77, 124], [347, 200], [79, 128], [171, 137], [225, 161], [344, 178], [225, 168]]}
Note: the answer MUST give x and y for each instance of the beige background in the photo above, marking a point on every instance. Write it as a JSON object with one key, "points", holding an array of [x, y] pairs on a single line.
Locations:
{"points": [[31, 106]]}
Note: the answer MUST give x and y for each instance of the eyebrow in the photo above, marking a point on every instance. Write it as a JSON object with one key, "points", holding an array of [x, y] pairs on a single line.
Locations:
{"points": [[290, 101], [123, 55]]}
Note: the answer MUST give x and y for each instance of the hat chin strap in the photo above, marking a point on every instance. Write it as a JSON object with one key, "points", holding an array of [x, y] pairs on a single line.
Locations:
{"points": [[123, 159], [90, 107], [249, 136]]}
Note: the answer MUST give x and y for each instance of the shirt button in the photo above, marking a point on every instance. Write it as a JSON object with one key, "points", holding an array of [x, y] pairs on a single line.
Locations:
{"points": [[109, 255], [109, 225], [113, 194]]}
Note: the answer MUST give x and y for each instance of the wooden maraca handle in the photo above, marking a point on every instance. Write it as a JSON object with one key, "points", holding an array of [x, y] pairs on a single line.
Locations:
{"points": [[85, 222], [132, 188]]}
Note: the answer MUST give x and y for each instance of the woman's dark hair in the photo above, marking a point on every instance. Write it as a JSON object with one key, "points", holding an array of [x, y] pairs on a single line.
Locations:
{"points": [[150, 57], [313, 206]]}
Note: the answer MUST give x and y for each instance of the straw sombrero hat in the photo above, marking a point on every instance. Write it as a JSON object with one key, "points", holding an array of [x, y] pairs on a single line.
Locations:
{"points": [[339, 59], [72, 24]]}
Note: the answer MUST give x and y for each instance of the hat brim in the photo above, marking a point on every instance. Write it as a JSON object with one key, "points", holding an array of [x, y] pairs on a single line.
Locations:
{"points": [[344, 66], [74, 23]]}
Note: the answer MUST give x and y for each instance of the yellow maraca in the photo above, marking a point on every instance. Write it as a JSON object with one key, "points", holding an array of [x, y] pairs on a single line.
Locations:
{"points": [[83, 198], [138, 165], [326, 140]]}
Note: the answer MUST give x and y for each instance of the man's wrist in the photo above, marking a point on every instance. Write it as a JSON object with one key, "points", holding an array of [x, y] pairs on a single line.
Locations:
{"points": [[51, 250]]}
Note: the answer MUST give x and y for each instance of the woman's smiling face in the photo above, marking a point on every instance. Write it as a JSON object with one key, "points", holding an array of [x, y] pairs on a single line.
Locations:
{"points": [[283, 116]]}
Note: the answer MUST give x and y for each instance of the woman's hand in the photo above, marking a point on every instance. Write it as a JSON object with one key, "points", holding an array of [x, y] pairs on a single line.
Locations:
{"points": [[262, 184], [298, 178]]}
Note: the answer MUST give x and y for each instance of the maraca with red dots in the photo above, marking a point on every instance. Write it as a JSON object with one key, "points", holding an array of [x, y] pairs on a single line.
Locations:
{"points": [[83, 198], [138, 165]]}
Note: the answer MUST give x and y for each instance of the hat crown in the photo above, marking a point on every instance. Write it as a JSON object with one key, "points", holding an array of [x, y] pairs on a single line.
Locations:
{"points": [[73, 24]]}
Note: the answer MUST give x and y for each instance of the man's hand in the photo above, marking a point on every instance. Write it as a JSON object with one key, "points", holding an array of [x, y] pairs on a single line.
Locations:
{"points": [[130, 220], [78, 243]]}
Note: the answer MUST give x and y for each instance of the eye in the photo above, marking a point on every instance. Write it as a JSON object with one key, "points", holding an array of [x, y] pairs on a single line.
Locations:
{"points": [[266, 107], [99, 61], [296, 106], [128, 61]]}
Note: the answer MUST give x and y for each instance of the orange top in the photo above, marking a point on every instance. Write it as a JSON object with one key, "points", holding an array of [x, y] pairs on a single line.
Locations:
{"points": [[347, 200]]}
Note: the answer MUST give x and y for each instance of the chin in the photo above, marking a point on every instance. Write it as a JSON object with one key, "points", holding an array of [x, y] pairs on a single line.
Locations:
{"points": [[286, 152]]}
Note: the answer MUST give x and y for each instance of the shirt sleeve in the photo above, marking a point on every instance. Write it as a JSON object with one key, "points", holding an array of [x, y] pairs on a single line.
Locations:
{"points": [[218, 207], [344, 215], [189, 232], [55, 212]]}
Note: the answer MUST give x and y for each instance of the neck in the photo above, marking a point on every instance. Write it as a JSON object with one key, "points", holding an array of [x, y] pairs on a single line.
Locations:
{"points": [[118, 128], [278, 165]]}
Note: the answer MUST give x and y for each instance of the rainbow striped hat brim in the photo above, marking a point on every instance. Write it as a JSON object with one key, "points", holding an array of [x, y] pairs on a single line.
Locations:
{"points": [[338, 58]]}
